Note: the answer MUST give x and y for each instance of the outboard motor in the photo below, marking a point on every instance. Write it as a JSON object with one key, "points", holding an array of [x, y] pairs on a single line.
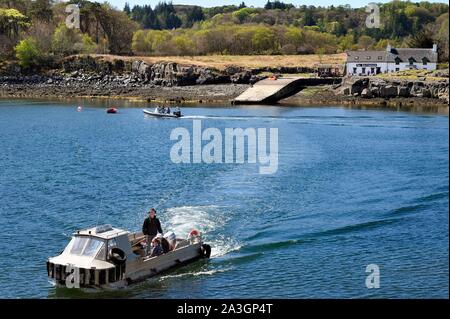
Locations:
{"points": [[171, 238]]}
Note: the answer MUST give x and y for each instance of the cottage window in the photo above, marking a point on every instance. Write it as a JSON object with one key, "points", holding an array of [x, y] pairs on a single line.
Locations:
{"points": [[368, 57], [397, 61], [380, 58], [425, 61], [356, 57]]}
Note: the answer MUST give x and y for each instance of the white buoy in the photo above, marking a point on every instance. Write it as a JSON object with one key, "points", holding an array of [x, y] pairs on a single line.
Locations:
{"points": [[79, 109]]}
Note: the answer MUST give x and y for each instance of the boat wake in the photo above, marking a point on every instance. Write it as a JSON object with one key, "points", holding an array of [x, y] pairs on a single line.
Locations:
{"points": [[209, 220], [359, 121], [212, 117], [194, 274]]}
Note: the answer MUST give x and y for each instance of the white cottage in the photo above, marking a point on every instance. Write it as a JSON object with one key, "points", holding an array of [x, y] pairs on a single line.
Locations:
{"points": [[391, 60]]}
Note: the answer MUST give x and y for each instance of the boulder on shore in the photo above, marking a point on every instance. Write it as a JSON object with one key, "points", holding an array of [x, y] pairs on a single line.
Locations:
{"points": [[370, 87]]}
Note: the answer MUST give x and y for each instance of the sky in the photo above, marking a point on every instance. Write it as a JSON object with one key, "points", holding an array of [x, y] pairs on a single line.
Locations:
{"points": [[255, 3]]}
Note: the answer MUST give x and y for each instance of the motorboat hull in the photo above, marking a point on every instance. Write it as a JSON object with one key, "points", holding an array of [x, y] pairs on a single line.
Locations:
{"points": [[155, 114], [111, 111], [116, 276]]}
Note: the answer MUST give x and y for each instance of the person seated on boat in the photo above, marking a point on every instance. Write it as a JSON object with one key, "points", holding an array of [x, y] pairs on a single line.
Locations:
{"points": [[168, 110], [156, 247], [177, 111], [151, 227]]}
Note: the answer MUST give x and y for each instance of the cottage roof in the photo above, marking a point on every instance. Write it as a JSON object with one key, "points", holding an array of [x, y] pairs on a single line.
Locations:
{"points": [[404, 54]]}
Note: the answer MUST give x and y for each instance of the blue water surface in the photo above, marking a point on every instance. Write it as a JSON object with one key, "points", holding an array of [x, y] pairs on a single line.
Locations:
{"points": [[353, 188]]}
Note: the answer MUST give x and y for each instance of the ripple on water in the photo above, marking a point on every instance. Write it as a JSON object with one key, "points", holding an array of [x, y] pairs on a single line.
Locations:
{"points": [[353, 187]]}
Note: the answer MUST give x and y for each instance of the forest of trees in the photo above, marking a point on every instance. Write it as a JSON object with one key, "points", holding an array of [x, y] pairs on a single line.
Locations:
{"points": [[34, 31]]}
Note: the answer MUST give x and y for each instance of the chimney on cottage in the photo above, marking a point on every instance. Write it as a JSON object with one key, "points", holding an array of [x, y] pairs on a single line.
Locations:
{"points": [[435, 48], [389, 48]]}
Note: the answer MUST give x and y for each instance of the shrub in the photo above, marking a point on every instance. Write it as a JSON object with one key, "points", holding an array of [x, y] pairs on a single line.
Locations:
{"points": [[28, 53]]}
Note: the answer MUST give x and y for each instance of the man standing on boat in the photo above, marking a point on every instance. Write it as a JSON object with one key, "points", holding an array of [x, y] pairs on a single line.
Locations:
{"points": [[151, 227]]}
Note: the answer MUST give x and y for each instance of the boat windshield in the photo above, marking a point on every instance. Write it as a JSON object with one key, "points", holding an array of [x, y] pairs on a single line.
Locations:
{"points": [[86, 246]]}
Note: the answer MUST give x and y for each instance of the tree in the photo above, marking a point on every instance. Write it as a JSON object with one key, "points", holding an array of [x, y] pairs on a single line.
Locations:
{"points": [[167, 16], [194, 15], [183, 45], [263, 40], [422, 39], [277, 5], [346, 43], [294, 36], [66, 41], [88, 46], [28, 53], [118, 29], [42, 10], [365, 42], [11, 22], [139, 43], [149, 19], [127, 9], [308, 17], [419, 16], [242, 14], [442, 37], [43, 31]]}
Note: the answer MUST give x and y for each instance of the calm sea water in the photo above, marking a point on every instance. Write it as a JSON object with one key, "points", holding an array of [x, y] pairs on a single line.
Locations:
{"points": [[353, 188]]}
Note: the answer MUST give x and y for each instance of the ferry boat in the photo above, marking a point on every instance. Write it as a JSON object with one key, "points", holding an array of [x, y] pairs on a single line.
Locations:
{"points": [[104, 256]]}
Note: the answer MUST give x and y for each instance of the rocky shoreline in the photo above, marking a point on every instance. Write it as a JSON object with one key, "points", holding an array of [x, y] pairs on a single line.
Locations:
{"points": [[51, 87], [85, 76], [372, 87], [119, 79]]}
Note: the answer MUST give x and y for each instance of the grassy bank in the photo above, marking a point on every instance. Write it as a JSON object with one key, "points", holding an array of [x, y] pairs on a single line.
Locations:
{"points": [[247, 61]]}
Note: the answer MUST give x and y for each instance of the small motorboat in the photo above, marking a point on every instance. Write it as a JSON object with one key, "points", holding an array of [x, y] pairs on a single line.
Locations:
{"points": [[107, 257], [111, 110], [155, 113]]}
